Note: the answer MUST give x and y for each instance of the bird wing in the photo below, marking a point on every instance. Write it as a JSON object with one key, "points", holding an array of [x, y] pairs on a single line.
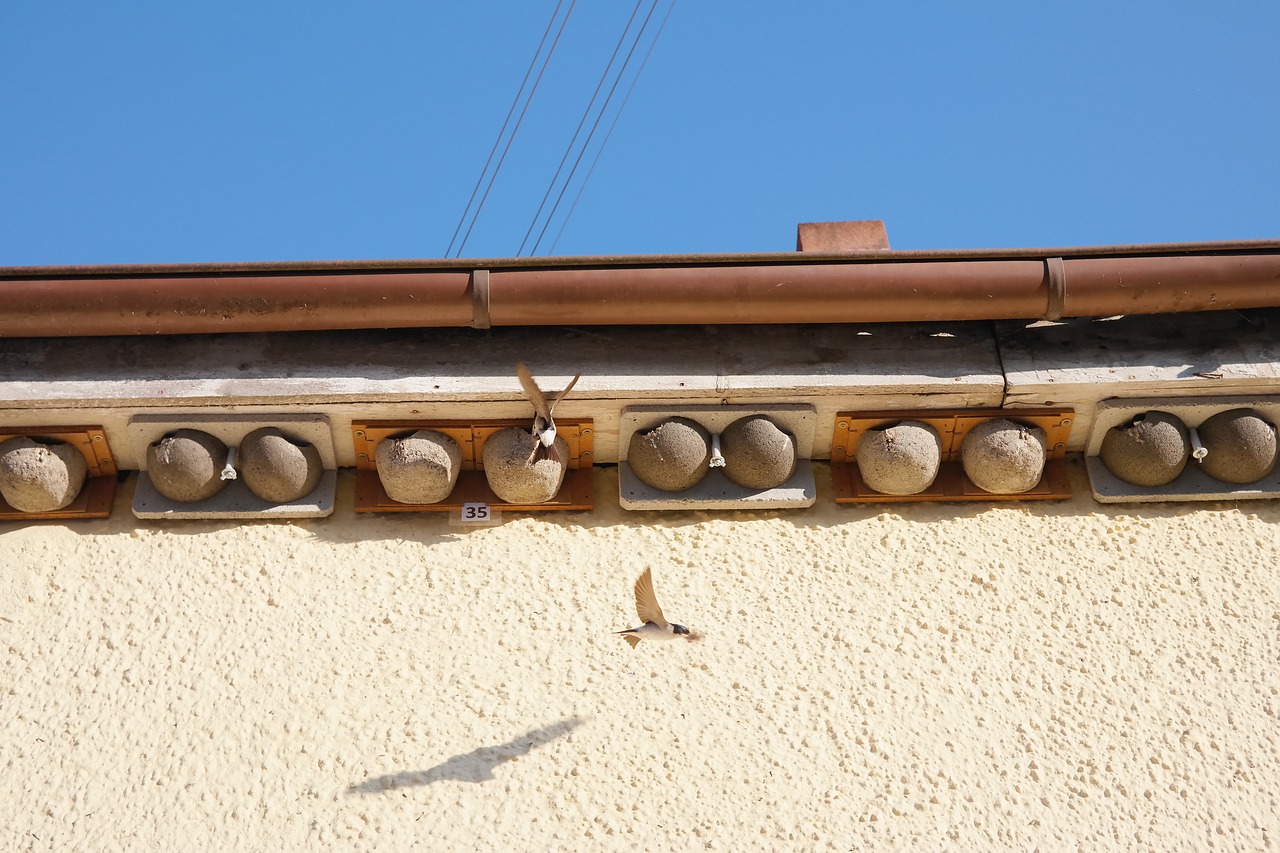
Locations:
{"points": [[647, 603], [552, 399], [632, 640], [533, 392]]}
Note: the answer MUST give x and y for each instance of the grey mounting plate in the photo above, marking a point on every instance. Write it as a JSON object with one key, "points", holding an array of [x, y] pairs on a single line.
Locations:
{"points": [[715, 491], [234, 500], [1192, 484]]}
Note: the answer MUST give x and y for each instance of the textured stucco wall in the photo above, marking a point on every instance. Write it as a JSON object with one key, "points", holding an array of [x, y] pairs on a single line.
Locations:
{"points": [[970, 676]]}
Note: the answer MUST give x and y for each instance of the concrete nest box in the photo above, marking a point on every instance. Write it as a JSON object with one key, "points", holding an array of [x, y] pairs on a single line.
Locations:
{"points": [[1150, 450], [1004, 457], [277, 468], [757, 454], [186, 465], [516, 473], [1241, 446], [40, 476], [901, 459], [421, 468], [672, 456]]}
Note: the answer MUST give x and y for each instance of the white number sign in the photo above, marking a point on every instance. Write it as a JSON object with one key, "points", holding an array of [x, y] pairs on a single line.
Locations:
{"points": [[475, 513]]}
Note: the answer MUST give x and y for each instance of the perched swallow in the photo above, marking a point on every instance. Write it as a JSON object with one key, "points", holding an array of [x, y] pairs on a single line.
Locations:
{"points": [[656, 626], [544, 427]]}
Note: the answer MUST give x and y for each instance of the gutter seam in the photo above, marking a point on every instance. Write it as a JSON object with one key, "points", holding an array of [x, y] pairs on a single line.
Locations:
{"points": [[480, 299], [1057, 300]]}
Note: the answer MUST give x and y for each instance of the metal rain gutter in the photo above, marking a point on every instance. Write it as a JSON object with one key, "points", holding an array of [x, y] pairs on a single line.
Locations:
{"points": [[806, 287]]}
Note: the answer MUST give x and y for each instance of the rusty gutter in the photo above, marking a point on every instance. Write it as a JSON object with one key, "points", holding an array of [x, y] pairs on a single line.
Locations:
{"points": [[862, 286]]}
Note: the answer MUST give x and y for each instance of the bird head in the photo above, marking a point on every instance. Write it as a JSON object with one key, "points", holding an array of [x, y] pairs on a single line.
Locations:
{"points": [[684, 633]]}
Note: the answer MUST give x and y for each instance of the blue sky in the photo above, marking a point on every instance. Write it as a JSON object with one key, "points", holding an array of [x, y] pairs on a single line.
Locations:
{"points": [[156, 132]]}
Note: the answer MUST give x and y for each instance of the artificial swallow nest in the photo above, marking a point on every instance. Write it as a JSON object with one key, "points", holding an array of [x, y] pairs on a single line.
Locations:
{"points": [[517, 472], [277, 468], [40, 475], [1004, 457], [421, 468], [1241, 445], [901, 459], [186, 465], [673, 456], [757, 454], [1150, 450]]}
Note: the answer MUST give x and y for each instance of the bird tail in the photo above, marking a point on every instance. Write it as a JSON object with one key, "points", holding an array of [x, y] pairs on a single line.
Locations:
{"points": [[541, 451]]}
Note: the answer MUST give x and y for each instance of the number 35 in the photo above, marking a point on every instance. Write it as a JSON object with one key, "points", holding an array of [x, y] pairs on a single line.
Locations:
{"points": [[475, 512]]}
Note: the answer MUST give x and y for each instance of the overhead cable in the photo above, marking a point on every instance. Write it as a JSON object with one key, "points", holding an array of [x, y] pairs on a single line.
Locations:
{"points": [[502, 132], [586, 113], [609, 134], [594, 126], [514, 130]]}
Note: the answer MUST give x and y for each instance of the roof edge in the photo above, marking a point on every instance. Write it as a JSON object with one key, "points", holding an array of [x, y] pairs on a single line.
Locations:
{"points": [[661, 260]]}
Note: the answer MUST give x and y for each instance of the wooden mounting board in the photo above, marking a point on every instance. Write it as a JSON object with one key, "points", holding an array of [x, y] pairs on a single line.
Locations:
{"points": [[472, 486], [99, 491], [952, 426], [951, 484]]}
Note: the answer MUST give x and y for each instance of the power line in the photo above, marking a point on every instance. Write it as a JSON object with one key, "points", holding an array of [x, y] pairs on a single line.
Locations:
{"points": [[514, 130], [510, 139], [586, 113], [609, 135], [596, 124], [505, 122]]}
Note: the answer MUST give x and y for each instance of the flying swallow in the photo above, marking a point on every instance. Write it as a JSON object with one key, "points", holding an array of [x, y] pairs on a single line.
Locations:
{"points": [[544, 427], [656, 626]]}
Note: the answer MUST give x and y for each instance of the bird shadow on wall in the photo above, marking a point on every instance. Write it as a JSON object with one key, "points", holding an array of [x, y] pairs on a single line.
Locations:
{"points": [[475, 766]]}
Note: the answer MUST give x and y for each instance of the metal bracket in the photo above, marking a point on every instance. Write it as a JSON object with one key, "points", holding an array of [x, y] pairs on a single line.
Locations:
{"points": [[479, 299], [1057, 289]]}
